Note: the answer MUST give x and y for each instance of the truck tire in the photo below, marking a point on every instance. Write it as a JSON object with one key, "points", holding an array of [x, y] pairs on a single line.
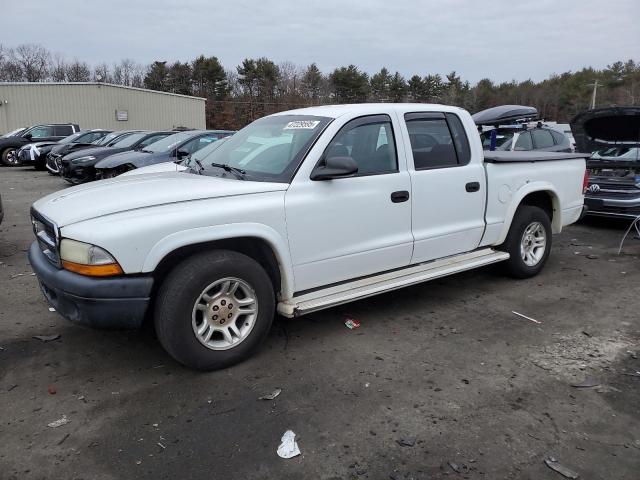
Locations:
{"points": [[528, 242], [214, 309], [9, 157]]}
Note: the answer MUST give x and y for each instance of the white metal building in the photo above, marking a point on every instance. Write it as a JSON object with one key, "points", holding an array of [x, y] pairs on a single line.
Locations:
{"points": [[96, 105]]}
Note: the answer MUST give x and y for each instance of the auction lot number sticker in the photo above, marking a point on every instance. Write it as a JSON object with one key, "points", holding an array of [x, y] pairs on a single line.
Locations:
{"points": [[302, 124]]}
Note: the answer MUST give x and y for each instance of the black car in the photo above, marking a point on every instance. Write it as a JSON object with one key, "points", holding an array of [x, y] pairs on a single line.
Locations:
{"points": [[43, 133], [36, 153], [516, 128], [78, 167], [612, 135], [173, 148], [54, 157]]}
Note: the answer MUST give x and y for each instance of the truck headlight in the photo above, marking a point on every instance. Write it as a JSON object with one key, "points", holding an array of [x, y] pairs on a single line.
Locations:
{"points": [[87, 259]]}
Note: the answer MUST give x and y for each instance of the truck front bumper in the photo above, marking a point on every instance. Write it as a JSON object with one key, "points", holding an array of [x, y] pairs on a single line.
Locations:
{"points": [[113, 303]]}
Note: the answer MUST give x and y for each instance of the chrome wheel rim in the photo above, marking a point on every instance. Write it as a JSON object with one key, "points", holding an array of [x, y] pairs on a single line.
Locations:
{"points": [[12, 157], [224, 313], [533, 244]]}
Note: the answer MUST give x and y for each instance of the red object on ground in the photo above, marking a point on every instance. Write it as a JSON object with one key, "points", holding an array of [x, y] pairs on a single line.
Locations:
{"points": [[52, 390], [352, 323]]}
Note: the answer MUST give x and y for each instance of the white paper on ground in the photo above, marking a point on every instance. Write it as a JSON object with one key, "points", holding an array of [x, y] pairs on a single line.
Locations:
{"points": [[288, 446]]}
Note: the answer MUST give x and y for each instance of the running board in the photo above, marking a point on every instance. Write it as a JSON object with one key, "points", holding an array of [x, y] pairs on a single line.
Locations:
{"points": [[386, 282]]}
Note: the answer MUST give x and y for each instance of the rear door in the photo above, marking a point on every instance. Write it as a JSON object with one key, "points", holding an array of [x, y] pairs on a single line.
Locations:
{"points": [[347, 228], [448, 188]]}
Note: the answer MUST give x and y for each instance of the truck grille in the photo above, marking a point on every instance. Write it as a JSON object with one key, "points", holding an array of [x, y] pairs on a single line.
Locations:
{"points": [[47, 237]]}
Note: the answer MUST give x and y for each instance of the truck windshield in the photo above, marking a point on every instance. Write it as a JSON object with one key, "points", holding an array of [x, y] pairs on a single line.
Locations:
{"points": [[268, 150]]}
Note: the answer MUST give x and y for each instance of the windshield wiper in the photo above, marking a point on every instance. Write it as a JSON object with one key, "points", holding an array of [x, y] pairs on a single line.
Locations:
{"points": [[146, 151], [199, 164], [228, 168]]}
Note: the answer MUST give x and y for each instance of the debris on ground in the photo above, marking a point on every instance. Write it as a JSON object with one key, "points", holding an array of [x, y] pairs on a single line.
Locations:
{"points": [[352, 323], [51, 309], [161, 446], [406, 441], [591, 256], [288, 447], [61, 441], [47, 338], [82, 399], [11, 387], [272, 395], [23, 275], [553, 464], [587, 383], [528, 318], [455, 467], [58, 423], [52, 390]]}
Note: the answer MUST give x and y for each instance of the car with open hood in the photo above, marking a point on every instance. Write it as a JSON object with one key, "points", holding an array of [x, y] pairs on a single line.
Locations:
{"points": [[50, 132], [518, 128], [171, 149], [612, 136], [36, 153], [79, 167]]}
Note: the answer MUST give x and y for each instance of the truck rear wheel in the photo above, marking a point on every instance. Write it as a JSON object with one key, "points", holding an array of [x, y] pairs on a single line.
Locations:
{"points": [[528, 242], [214, 309]]}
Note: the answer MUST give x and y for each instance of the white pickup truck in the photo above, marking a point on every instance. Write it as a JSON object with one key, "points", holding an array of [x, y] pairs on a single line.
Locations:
{"points": [[299, 211]]}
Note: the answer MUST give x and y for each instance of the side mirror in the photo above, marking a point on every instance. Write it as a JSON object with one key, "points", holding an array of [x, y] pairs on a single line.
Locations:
{"points": [[181, 154], [28, 136], [335, 167]]}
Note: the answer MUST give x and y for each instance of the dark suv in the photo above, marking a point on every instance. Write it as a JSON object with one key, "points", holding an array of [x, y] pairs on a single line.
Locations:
{"points": [[38, 133]]}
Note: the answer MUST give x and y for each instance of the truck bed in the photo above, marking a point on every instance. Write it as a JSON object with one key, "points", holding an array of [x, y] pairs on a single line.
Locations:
{"points": [[533, 156]]}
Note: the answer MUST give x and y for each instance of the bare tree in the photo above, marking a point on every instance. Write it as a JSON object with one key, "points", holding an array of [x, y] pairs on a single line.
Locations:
{"points": [[58, 68], [78, 71], [33, 61], [101, 73]]}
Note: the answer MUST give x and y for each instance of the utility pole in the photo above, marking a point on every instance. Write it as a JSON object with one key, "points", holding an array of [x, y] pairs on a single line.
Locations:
{"points": [[595, 86]]}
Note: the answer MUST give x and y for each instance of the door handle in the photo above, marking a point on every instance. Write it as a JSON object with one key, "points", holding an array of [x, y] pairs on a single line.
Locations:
{"points": [[400, 196], [472, 186]]}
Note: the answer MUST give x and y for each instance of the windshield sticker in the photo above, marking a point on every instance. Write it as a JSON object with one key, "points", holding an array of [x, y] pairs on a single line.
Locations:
{"points": [[302, 124]]}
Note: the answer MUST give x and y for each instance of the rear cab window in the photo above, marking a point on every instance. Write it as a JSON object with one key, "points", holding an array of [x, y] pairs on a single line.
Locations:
{"points": [[542, 138], [438, 140], [62, 130]]}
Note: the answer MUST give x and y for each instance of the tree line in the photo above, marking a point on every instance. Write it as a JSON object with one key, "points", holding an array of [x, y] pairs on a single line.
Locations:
{"points": [[260, 86]]}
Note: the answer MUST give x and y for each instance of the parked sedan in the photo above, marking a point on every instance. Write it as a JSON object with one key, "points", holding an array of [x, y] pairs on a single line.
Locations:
{"points": [[54, 157], [174, 148], [79, 167], [36, 153]]}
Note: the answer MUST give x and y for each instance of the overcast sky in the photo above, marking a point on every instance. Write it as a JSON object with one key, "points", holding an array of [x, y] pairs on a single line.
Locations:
{"points": [[498, 39]]}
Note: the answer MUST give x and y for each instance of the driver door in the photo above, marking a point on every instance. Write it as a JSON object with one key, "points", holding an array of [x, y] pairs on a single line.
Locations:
{"points": [[346, 228]]}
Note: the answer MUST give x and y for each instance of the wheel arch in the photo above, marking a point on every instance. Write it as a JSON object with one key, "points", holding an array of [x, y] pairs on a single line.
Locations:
{"points": [[538, 194], [263, 244]]}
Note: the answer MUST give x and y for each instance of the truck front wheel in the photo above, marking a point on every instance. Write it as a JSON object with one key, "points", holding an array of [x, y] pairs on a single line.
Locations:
{"points": [[528, 242], [214, 309]]}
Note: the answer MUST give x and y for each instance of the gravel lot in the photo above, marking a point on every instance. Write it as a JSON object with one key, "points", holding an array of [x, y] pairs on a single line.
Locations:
{"points": [[485, 393]]}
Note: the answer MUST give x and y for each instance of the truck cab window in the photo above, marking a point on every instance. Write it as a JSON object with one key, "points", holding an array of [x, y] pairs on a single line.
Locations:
{"points": [[371, 145], [431, 143], [542, 138]]}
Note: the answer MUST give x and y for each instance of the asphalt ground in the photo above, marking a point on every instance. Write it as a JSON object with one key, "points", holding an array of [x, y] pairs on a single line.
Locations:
{"points": [[441, 380]]}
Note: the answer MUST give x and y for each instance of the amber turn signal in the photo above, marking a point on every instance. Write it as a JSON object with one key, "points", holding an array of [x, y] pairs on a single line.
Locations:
{"points": [[107, 270]]}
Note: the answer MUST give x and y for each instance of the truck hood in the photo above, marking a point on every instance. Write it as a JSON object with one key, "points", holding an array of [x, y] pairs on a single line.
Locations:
{"points": [[121, 194]]}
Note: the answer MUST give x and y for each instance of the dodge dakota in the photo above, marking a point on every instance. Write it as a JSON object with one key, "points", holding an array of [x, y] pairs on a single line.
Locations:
{"points": [[299, 211]]}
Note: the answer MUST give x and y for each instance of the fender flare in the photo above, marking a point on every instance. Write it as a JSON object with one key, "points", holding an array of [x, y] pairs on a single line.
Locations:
{"points": [[193, 236], [516, 200]]}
